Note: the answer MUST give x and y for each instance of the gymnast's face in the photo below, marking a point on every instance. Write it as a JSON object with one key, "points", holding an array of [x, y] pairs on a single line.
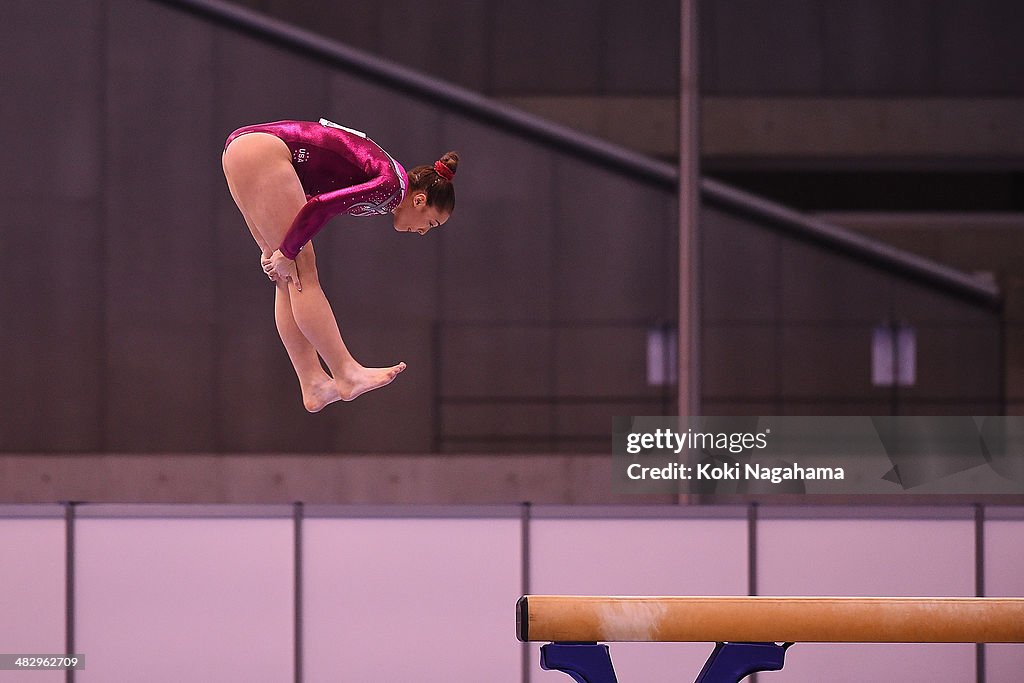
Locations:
{"points": [[415, 215]]}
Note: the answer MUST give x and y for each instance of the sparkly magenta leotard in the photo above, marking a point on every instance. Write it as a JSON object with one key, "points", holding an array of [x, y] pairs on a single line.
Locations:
{"points": [[341, 171]]}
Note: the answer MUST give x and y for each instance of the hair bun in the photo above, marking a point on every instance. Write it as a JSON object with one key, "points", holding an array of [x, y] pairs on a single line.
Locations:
{"points": [[449, 161]]}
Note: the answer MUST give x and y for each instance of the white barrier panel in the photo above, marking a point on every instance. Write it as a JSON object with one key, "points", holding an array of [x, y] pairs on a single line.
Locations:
{"points": [[864, 557], [1004, 575], [171, 600], [654, 556], [408, 599], [32, 589]]}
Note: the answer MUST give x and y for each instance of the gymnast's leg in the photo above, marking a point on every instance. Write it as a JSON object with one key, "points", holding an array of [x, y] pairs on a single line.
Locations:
{"points": [[267, 191], [318, 388], [315, 318]]}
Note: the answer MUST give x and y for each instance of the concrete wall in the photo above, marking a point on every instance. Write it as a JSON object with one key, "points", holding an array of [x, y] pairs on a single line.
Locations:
{"points": [[141, 323], [973, 242], [788, 331], [814, 81], [806, 47], [146, 325]]}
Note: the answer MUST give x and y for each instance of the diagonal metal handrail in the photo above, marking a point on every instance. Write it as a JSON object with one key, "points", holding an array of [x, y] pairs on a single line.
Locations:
{"points": [[638, 166], [864, 248], [431, 89]]}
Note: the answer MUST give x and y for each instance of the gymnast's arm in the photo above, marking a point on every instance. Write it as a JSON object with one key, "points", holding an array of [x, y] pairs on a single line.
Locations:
{"points": [[319, 209]]}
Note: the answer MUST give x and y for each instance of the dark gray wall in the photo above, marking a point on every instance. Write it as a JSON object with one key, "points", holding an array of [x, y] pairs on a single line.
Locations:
{"points": [[748, 47], [145, 325], [863, 47], [509, 48], [136, 319], [788, 330]]}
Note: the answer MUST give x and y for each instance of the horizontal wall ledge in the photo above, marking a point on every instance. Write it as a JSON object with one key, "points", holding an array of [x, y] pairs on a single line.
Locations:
{"points": [[323, 478], [752, 131], [557, 485]]}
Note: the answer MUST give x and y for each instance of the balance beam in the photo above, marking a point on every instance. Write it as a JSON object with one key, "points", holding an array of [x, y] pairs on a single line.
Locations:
{"points": [[748, 630], [770, 619]]}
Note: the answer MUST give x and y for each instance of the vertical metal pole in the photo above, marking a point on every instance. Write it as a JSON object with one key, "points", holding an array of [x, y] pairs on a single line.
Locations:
{"points": [[524, 536], [752, 558], [688, 364], [298, 514], [69, 585], [752, 549], [979, 583], [689, 212]]}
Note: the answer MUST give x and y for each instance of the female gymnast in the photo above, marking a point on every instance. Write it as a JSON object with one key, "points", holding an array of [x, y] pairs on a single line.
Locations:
{"points": [[288, 179]]}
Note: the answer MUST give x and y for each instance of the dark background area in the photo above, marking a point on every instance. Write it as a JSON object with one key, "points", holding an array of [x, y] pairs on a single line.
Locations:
{"points": [[137, 321]]}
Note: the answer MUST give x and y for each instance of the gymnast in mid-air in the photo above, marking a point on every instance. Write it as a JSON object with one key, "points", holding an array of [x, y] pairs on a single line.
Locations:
{"points": [[288, 179]]}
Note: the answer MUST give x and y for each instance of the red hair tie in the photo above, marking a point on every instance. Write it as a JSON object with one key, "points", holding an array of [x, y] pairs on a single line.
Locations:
{"points": [[444, 171]]}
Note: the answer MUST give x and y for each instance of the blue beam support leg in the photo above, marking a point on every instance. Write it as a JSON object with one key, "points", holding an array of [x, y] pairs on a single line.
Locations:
{"points": [[584, 662], [728, 663], [732, 662]]}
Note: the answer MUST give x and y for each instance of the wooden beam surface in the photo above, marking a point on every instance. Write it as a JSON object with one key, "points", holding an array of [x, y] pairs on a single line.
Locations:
{"points": [[770, 619]]}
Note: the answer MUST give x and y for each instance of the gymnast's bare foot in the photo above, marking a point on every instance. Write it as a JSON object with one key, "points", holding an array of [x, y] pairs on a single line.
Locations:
{"points": [[361, 380], [318, 396]]}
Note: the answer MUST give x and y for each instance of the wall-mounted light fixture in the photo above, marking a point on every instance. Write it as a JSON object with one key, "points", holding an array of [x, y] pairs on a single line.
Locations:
{"points": [[894, 355]]}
